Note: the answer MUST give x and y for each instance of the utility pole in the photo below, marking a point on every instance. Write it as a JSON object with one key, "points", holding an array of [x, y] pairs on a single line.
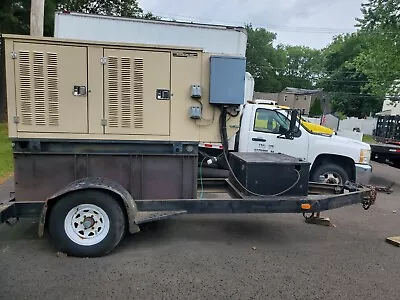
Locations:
{"points": [[37, 17]]}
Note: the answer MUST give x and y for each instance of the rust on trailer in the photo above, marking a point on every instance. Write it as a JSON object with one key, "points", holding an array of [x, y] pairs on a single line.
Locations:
{"points": [[46, 170], [146, 170]]}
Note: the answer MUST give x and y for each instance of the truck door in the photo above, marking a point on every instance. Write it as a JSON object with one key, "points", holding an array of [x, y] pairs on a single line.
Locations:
{"points": [[267, 135]]}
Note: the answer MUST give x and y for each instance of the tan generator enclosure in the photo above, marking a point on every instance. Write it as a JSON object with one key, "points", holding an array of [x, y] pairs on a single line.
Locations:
{"points": [[89, 90]]}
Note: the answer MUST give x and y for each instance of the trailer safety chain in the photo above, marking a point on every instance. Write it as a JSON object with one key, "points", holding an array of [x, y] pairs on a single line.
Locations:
{"points": [[370, 199], [385, 189]]}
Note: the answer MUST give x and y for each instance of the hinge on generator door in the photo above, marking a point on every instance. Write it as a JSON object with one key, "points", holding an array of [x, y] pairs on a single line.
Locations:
{"points": [[13, 55], [103, 122], [103, 60], [16, 119]]}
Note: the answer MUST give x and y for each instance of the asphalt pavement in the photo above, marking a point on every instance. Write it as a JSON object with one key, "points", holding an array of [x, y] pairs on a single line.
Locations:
{"points": [[220, 257]]}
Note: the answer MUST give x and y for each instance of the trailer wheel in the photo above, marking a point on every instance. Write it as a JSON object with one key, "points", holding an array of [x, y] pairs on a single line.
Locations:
{"points": [[330, 174], [86, 223]]}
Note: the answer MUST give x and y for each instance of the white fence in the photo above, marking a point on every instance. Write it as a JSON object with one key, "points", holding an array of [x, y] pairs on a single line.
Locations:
{"points": [[366, 126], [351, 134]]}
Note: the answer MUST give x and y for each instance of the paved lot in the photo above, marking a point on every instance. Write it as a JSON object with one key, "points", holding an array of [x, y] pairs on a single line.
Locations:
{"points": [[212, 256]]}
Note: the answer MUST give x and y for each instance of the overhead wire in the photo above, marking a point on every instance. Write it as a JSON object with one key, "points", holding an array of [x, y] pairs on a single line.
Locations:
{"points": [[322, 30]]}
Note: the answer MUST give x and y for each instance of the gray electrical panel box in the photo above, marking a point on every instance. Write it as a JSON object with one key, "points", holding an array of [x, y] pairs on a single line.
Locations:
{"points": [[227, 80]]}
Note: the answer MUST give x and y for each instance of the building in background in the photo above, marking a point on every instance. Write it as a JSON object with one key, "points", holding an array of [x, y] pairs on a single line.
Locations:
{"points": [[302, 99]]}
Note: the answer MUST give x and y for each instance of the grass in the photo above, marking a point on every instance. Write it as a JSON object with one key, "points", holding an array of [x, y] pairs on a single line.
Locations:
{"points": [[368, 139], [6, 162]]}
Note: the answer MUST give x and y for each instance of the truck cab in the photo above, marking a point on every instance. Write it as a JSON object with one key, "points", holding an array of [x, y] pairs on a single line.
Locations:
{"points": [[333, 159]]}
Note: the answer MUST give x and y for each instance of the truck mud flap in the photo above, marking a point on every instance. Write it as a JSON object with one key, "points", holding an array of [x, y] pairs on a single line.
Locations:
{"points": [[150, 216]]}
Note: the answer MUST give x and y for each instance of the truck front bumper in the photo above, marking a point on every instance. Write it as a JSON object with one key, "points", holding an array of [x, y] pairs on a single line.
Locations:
{"points": [[363, 173]]}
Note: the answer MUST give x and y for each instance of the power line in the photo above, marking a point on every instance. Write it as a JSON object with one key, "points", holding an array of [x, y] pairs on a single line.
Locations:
{"points": [[322, 30], [335, 72], [355, 94]]}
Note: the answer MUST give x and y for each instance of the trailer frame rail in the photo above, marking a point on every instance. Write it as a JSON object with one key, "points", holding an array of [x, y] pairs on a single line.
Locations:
{"points": [[225, 199]]}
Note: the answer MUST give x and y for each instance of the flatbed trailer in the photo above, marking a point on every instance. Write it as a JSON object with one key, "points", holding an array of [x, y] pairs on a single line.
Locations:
{"points": [[219, 197], [215, 196]]}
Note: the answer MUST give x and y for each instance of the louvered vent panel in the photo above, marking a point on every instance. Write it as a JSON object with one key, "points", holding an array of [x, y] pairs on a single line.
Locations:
{"points": [[138, 92], [39, 88], [126, 92], [113, 92], [25, 87], [52, 89]]}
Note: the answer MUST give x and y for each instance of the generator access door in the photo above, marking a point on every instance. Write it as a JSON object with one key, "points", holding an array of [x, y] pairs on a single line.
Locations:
{"points": [[51, 83], [137, 92]]}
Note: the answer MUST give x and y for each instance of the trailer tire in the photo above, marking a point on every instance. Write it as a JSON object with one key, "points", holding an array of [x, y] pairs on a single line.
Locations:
{"points": [[333, 174], [86, 223]]}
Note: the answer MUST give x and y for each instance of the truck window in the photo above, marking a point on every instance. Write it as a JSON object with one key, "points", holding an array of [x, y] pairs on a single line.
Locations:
{"points": [[270, 121]]}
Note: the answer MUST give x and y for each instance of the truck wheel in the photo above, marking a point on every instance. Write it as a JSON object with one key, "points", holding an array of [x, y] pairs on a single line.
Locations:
{"points": [[330, 174], [86, 223]]}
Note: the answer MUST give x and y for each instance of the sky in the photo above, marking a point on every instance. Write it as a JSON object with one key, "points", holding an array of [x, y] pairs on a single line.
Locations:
{"points": [[311, 23]]}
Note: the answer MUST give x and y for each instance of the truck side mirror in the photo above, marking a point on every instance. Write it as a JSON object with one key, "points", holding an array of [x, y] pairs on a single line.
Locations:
{"points": [[292, 126]]}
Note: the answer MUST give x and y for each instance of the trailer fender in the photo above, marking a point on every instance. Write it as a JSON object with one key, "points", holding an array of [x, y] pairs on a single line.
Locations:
{"points": [[94, 183]]}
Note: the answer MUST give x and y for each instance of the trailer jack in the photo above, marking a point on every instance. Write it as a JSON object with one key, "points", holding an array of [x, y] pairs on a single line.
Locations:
{"points": [[316, 219]]}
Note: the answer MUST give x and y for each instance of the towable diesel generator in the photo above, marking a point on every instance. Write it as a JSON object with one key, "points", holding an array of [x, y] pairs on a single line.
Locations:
{"points": [[106, 137]]}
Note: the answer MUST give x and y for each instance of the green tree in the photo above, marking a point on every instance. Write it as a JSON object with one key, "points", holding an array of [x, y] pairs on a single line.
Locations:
{"points": [[263, 60], [302, 66], [274, 69], [316, 109], [380, 62], [122, 8], [15, 15], [345, 83]]}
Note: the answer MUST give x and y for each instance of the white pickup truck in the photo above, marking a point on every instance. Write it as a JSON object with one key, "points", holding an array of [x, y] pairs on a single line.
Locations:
{"points": [[334, 159]]}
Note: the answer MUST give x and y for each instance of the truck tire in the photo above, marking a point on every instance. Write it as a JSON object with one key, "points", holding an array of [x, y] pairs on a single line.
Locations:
{"points": [[86, 223], [330, 173]]}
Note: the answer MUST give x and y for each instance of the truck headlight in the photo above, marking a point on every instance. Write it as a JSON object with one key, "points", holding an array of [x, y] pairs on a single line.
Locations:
{"points": [[365, 156]]}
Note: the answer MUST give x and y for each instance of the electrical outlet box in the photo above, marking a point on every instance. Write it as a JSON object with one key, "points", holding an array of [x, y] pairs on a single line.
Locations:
{"points": [[195, 112], [227, 80], [195, 91]]}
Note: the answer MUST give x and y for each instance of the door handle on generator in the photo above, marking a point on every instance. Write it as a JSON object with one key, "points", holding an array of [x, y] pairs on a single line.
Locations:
{"points": [[258, 140]]}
